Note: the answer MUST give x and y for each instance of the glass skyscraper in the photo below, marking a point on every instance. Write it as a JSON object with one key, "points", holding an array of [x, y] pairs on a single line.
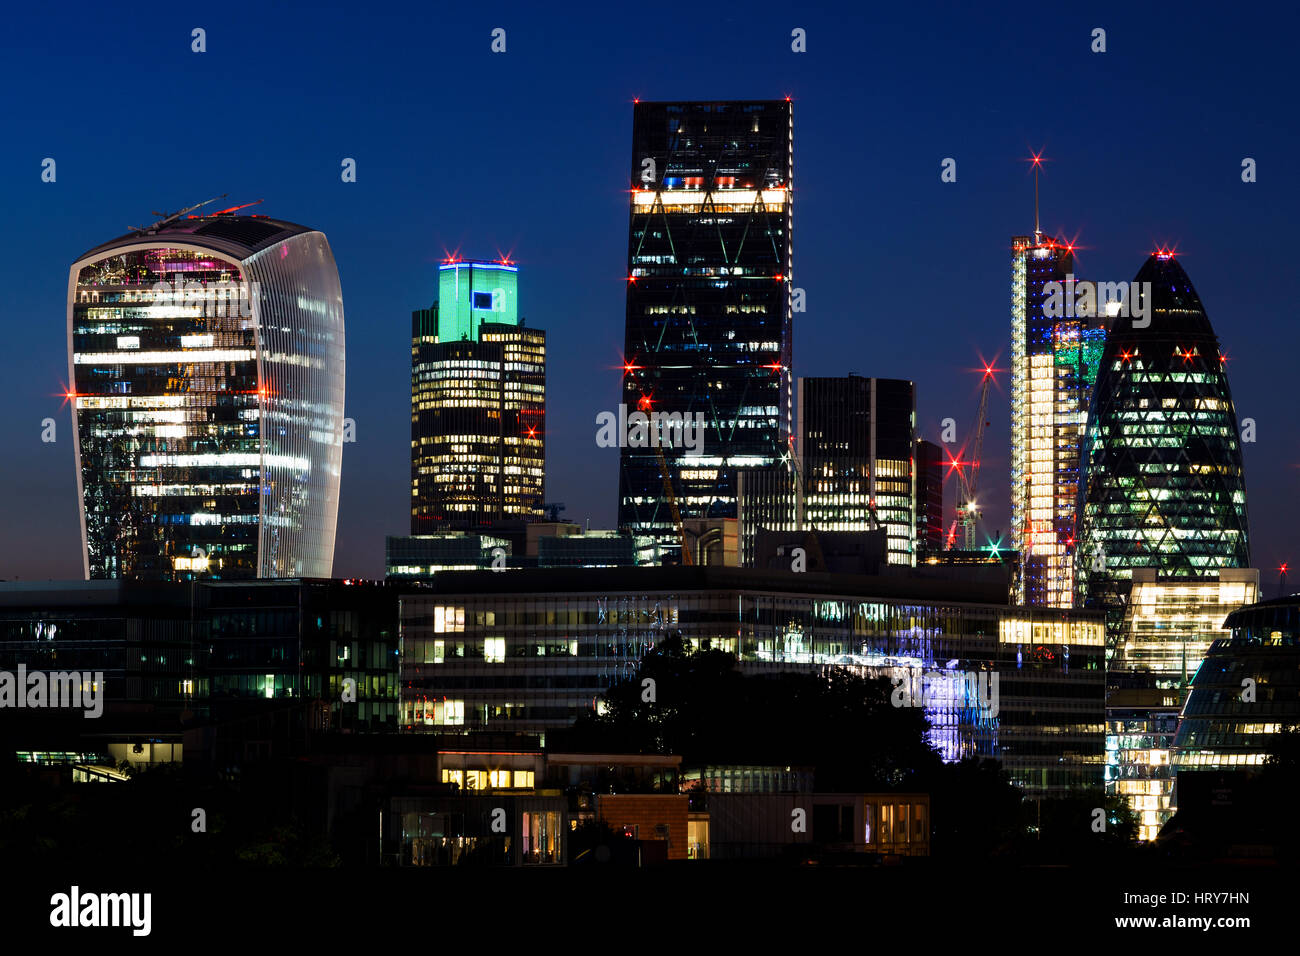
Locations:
{"points": [[1162, 523], [1054, 360], [1224, 728], [856, 442], [1164, 486], [206, 362], [708, 301], [478, 403], [851, 468]]}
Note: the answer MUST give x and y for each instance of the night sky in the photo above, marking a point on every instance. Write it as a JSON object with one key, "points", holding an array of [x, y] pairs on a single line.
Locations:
{"points": [[527, 153]]}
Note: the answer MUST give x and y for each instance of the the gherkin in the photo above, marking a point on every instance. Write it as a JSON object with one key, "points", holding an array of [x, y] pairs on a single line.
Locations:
{"points": [[1163, 483]]}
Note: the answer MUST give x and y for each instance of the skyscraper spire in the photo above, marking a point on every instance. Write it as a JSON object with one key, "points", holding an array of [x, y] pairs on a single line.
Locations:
{"points": [[1053, 358], [1038, 164]]}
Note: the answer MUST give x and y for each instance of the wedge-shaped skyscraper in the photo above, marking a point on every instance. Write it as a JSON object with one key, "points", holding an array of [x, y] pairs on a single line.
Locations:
{"points": [[709, 303], [206, 361]]}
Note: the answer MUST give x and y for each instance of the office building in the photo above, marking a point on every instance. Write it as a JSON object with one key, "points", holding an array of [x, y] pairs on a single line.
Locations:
{"points": [[505, 546], [928, 459], [1054, 358], [206, 370], [851, 469], [1169, 624], [243, 667], [1244, 695], [529, 651], [709, 304], [856, 438], [1141, 721], [1164, 487], [478, 404], [768, 499]]}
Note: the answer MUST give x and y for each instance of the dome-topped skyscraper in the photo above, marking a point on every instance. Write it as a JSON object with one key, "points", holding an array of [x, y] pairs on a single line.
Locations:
{"points": [[1163, 484]]}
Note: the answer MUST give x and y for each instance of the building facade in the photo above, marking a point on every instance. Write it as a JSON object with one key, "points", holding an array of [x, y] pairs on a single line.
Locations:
{"points": [[855, 446], [1246, 692], [1164, 486], [767, 499], [1141, 721], [1053, 361], [478, 404], [928, 460], [206, 366], [851, 469], [247, 665], [558, 545], [708, 321], [530, 651], [1170, 624]]}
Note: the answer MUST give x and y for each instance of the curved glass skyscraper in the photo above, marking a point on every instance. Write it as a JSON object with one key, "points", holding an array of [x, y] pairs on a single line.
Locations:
{"points": [[1228, 723], [206, 361], [1163, 486]]}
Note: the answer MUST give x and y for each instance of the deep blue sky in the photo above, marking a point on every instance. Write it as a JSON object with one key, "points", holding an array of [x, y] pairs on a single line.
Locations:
{"points": [[528, 152]]}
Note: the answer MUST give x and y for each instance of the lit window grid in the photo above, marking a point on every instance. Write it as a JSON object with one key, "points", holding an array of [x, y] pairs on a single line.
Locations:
{"points": [[238, 404], [1045, 402], [588, 640]]}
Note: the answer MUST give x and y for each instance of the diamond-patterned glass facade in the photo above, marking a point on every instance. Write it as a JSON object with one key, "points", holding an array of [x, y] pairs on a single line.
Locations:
{"points": [[1164, 486], [708, 301]]}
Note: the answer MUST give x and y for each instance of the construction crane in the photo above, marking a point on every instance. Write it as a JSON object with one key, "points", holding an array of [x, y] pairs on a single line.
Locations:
{"points": [[688, 556], [968, 513], [170, 217]]}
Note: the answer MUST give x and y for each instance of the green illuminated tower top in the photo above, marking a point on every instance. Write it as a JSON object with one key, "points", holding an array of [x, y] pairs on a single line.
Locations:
{"points": [[473, 292]]}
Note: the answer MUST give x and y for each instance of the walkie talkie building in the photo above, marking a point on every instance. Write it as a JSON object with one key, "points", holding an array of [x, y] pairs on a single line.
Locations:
{"points": [[206, 370]]}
